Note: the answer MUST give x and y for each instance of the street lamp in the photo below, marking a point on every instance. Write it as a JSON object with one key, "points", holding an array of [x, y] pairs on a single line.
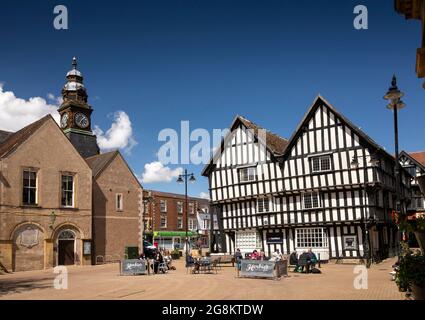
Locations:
{"points": [[394, 96], [183, 178], [370, 221]]}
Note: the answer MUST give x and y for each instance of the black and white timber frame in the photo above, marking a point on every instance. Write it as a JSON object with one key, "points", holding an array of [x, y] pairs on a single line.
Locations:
{"points": [[336, 228]]}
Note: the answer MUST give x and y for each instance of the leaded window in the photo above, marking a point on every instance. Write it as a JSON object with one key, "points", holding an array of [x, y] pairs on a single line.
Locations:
{"points": [[248, 174], [311, 200], [311, 238], [321, 163], [263, 205]]}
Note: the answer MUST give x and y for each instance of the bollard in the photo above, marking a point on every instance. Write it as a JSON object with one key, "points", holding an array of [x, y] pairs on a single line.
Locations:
{"points": [[319, 261]]}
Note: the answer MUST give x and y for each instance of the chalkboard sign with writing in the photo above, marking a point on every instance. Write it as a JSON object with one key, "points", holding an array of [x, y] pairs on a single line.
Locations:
{"points": [[133, 266], [257, 268], [281, 268]]}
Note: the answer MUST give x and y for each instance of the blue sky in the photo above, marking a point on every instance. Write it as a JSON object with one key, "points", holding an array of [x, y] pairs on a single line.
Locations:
{"points": [[206, 61]]}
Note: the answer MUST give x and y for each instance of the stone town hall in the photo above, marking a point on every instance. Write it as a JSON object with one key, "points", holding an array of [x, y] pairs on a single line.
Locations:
{"points": [[61, 201]]}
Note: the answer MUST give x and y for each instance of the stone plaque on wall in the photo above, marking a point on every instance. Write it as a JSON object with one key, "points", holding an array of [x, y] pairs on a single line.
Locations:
{"points": [[29, 237]]}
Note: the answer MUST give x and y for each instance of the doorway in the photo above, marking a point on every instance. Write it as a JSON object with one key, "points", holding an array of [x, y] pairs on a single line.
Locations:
{"points": [[66, 248]]}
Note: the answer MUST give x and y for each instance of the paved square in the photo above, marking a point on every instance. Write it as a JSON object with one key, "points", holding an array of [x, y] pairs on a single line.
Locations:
{"points": [[104, 282]]}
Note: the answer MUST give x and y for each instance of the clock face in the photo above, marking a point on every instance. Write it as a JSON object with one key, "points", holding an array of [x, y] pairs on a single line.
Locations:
{"points": [[64, 120], [81, 120]]}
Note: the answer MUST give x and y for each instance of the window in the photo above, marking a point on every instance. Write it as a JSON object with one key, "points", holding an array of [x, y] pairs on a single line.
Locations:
{"points": [[192, 224], [247, 174], [179, 207], [163, 205], [29, 196], [119, 202], [163, 222], [247, 240], [180, 223], [311, 238], [67, 199], [191, 208], [206, 224], [311, 200], [419, 203], [320, 164], [263, 205]]}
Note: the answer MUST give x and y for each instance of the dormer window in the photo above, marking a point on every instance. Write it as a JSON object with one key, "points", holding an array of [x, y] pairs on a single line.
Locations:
{"points": [[321, 163]]}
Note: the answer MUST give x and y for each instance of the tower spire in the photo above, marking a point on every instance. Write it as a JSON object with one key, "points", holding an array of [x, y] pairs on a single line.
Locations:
{"points": [[74, 63]]}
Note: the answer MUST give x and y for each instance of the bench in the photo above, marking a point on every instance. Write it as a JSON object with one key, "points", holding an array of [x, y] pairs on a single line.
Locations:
{"points": [[223, 258]]}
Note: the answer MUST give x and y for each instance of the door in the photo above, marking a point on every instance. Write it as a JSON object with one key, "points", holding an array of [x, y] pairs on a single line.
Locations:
{"points": [[66, 252]]}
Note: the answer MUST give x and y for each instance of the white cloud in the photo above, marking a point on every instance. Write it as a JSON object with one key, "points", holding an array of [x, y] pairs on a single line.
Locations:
{"points": [[157, 172], [204, 195], [118, 136], [16, 113], [56, 100]]}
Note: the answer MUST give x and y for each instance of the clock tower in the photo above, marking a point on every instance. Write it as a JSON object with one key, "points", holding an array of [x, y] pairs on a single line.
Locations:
{"points": [[75, 114]]}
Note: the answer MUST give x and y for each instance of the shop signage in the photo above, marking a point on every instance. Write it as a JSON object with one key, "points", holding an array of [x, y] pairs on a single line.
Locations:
{"points": [[133, 267], [274, 237], [257, 268]]}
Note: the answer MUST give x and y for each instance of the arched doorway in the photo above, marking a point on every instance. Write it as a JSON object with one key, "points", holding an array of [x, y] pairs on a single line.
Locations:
{"points": [[66, 247]]}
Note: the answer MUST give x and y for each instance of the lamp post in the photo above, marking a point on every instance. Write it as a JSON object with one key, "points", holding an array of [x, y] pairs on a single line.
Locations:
{"points": [[183, 178], [394, 96], [371, 219]]}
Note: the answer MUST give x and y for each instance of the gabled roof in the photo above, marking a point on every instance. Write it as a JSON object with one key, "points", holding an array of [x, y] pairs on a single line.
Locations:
{"points": [[14, 140], [4, 135], [417, 157], [100, 162], [319, 101], [274, 143]]}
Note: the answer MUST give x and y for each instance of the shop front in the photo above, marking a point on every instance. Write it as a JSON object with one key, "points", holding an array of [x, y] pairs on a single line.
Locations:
{"points": [[171, 240]]}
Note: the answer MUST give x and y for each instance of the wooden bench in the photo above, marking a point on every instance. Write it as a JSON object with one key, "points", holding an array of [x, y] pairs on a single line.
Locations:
{"points": [[223, 259]]}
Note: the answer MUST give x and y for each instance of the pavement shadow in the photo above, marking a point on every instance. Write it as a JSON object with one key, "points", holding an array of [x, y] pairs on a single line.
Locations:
{"points": [[10, 286]]}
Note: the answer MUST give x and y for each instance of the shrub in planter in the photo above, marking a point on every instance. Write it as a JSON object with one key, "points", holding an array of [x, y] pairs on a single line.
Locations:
{"points": [[175, 254], [418, 228], [410, 274]]}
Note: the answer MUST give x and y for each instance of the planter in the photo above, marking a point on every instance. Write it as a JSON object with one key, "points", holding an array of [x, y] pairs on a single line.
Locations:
{"points": [[418, 292], [420, 236], [175, 256]]}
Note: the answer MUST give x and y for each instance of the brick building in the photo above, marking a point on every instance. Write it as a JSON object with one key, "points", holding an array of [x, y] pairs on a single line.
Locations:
{"points": [[62, 202], [45, 199], [117, 207], [165, 219]]}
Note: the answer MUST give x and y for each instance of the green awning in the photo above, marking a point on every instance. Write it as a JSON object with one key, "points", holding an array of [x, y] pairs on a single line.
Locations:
{"points": [[174, 234]]}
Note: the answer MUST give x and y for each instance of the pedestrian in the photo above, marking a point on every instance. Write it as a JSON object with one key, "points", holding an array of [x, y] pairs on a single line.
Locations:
{"points": [[277, 256], [238, 258]]}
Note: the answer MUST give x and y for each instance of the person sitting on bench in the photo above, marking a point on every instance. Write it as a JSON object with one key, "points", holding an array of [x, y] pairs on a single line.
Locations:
{"points": [[312, 259], [303, 261], [293, 259]]}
